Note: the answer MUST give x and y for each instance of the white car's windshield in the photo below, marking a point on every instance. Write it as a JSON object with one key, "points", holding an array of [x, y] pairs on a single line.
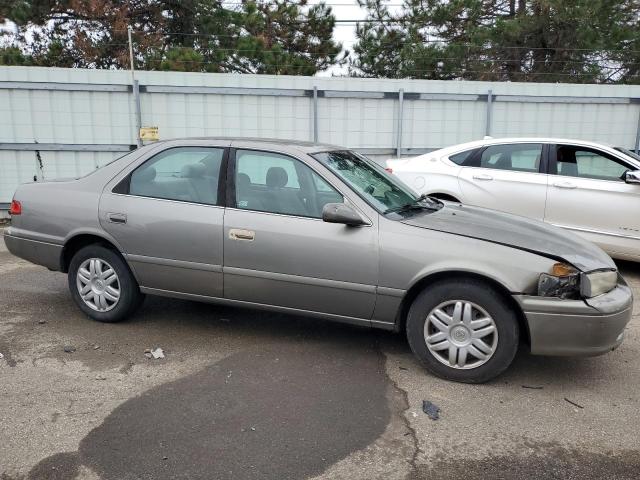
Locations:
{"points": [[382, 191]]}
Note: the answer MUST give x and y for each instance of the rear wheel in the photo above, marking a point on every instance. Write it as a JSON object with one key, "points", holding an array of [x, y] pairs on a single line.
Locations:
{"points": [[102, 285], [463, 330]]}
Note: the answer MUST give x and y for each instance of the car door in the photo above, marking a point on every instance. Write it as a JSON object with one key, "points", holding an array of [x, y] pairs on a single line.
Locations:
{"points": [[167, 214], [507, 177], [588, 194], [277, 249]]}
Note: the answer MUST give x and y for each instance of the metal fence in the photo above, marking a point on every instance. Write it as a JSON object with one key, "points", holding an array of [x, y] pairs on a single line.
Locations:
{"points": [[81, 119]]}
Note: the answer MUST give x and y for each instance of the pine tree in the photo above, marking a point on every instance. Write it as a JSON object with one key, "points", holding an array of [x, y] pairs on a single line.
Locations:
{"points": [[509, 40], [276, 37]]}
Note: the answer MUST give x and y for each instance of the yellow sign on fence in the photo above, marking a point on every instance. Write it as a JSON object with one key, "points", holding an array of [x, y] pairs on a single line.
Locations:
{"points": [[149, 133]]}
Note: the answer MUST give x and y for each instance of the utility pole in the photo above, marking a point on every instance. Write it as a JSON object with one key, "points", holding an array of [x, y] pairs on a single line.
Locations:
{"points": [[136, 90], [129, 30]]}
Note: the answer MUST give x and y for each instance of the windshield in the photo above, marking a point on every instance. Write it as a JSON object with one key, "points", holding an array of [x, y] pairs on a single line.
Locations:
{"points": [[629, 153], [381, 190]]}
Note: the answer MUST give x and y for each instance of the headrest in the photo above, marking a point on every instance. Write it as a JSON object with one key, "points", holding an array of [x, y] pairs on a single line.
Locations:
{"points": [[242, 180], [212, 164], [195, 170], [504, 162], [277, 177], [146, 174]]}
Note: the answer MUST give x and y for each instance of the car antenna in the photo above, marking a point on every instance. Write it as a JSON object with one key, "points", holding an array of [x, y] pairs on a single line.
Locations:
{"points": [[39, 166]]}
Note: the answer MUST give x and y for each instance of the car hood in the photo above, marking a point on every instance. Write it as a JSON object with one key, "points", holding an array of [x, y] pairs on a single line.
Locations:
{"points": [[514, 231]]}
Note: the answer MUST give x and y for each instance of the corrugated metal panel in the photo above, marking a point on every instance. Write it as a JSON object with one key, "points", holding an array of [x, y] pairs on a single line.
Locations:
{"points": [[94, 107], [187, 115], [20, 167], [435, 124]]}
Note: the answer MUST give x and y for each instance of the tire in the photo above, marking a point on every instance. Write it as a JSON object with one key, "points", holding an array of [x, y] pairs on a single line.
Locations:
{"points": [[99, 264], [487, 308]]}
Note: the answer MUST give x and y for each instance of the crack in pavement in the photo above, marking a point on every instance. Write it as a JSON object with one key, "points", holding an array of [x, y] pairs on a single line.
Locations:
{"points": [[412, 431], [406, 422]]}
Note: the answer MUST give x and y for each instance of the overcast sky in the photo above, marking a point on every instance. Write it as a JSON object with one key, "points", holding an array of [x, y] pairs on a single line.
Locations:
{"points": [[345, 10], [344, 33]]}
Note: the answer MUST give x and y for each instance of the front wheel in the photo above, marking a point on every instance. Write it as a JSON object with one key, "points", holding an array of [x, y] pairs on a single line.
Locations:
{"points": [[463, 330], [102, 285]]}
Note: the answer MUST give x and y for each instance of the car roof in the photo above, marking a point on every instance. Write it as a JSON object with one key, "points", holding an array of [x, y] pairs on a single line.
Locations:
{"points": [[302, 145], [505, 140]]}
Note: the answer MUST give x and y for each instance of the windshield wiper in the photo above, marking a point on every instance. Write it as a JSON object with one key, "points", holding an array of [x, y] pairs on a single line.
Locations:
{"points": [[416, 204]]}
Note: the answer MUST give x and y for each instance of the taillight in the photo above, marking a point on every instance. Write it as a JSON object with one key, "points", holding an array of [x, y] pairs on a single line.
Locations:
{"points": [[15, 208], [389, 169]]}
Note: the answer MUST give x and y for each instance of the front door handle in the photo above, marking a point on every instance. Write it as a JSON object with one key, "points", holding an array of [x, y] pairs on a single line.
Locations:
{"points": [[483, 176], [117, 217], [239, 234], [564, 185]]}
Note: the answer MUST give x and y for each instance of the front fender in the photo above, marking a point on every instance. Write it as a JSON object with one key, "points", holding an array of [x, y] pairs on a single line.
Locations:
{"points": [[407, 255]]}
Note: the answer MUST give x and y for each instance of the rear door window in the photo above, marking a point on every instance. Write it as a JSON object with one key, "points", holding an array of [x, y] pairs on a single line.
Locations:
{"points": [[188, 174], [519, 157]]}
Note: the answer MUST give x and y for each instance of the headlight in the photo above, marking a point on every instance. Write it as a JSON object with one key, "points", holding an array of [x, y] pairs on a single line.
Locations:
{"points": [[597, 283], [562, 282], [566, 282]]}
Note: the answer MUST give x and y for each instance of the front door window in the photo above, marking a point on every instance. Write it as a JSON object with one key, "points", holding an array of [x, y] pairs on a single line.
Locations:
{"points": [[582, 162], [276, 183]]}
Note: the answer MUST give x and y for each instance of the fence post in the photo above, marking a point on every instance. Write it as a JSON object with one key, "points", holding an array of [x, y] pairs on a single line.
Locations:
{"points": [[487, 130], [399, 129], [638, 135], [136, 90], [315, 114], [136, 99]]}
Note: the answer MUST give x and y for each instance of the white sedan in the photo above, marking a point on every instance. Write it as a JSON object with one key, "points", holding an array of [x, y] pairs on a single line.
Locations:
{"points": [[589, 188]]}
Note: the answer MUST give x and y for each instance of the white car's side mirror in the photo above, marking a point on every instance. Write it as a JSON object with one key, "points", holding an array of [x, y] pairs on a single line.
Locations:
{"points": [[632, 176]]}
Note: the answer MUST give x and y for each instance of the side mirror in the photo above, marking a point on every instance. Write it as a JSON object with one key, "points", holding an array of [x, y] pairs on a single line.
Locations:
{"points": [[341, 213], [632, 176]]}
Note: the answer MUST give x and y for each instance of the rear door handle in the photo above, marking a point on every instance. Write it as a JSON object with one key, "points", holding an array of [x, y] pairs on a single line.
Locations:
{"points": [[483, 176], [564, 185], [117, 217], [239, 234]]}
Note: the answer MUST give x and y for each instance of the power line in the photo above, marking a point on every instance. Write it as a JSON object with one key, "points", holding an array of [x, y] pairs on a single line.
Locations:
{"points": [[310, 4], [462, 71], [439, 59], [442, 42], [425, 41]]}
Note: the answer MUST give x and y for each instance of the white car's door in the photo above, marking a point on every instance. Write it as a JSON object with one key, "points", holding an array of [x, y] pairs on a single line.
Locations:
{"points": [[588, 194], [507, 177]]}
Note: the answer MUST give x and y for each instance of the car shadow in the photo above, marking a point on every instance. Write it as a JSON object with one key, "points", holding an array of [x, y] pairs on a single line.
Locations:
{"points": [[297, 397]]}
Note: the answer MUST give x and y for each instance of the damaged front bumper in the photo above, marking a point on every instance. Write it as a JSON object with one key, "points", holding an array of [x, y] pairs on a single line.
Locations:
{"points": [[591, 326]]}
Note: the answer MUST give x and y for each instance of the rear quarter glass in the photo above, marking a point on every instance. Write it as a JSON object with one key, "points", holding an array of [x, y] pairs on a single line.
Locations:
{"points": [[462, 157]]}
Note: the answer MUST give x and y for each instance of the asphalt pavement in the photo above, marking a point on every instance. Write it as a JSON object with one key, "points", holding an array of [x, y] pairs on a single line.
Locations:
{"points": [[245, 394]]}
